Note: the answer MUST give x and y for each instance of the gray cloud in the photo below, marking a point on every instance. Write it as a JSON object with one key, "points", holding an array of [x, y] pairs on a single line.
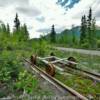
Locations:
{"points": [[4, 3], [41, 19], [45, 30], [29, 11], [22, 7], [97, 15], [78, 15]]}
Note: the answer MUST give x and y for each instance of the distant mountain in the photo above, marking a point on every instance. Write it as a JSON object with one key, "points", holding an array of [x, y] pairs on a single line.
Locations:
{"points": [[67, 34], [76, 31], [67, 3], [98, 32]]}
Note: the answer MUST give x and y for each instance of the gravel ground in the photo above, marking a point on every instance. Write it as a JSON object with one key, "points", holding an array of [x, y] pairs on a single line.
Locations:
{"points": [[82, 51]]}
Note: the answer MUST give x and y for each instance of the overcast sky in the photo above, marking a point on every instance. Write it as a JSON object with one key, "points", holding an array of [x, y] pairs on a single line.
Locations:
{"points": [[39, 15]]}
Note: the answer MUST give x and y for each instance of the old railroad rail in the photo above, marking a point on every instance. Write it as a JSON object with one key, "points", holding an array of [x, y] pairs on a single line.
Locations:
{"points": [[69, 63], [54, 81]]}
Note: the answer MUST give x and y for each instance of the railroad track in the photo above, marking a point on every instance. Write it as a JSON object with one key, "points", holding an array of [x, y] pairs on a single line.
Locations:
{"points": [[55, 82], [93, 76], [69, 64]]}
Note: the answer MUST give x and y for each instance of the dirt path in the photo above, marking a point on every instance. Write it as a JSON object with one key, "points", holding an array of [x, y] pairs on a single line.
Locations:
{"points": [[82, 51]]}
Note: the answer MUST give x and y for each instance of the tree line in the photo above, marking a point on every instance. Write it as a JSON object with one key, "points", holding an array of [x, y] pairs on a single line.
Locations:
{"points": [[87, 37], [19, 33], [88, 30]]}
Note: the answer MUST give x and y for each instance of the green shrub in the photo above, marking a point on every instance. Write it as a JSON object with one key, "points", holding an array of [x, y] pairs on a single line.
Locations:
{"points": [[26, 82], [4, 74], [9, 48], [9, 66], [85, 45], [98, 43], [40, 48]]}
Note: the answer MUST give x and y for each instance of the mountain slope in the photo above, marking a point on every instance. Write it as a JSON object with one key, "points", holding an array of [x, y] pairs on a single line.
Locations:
{"points": [[76, 31]]}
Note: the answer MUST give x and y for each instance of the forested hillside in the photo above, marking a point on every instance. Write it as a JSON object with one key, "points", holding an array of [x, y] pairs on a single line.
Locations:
{"points": [[86, 36], [65, 37]]}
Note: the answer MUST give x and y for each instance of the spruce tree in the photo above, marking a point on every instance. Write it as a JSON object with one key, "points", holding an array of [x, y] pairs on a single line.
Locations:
{"points": [[8, 29], [73, 35], [83, 30], [89, 23], [25, 32], [93, 33], [53, 34], [17, 23], [16, 31], [2, 32], [3, 28]]}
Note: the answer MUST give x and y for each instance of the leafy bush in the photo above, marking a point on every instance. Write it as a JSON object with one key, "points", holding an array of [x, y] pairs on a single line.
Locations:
{"points": [[9, 70], [98, 43], [85, 45], [40, 48], [9, 66], [4, 74], [9, 47], [26, 82]]}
